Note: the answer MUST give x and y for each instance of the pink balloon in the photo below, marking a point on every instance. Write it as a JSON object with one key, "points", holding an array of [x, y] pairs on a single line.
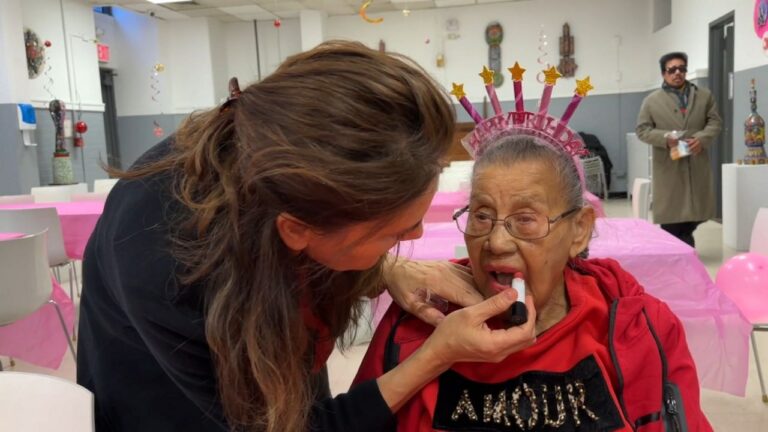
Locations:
{"points": [[744, 278]]}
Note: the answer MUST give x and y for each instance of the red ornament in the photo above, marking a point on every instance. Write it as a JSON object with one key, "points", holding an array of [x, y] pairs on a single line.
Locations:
{"points": [[158, 131], [79, 141], [47, 44], [277, 23], [81, 127]]}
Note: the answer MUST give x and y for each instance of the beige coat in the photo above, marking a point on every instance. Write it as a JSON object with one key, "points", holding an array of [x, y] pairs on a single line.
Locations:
{"points": [[682, 189]]}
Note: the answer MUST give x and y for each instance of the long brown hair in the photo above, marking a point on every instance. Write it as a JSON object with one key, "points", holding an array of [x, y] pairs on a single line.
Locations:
{"points": [[337, 135]]}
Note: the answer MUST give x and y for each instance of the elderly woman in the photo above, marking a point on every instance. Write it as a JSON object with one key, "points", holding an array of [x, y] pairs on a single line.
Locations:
{"points": [[607, 356]]}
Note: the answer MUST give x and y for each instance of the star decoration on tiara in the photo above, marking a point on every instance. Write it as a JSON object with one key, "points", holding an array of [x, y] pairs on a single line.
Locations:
{"points": [[551, 75], [458, 90], [517, 72], [487, 75], [583, 86]]}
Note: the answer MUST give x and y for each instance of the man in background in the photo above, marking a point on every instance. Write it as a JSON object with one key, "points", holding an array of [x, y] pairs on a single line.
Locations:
{"points": [[683, 195]]}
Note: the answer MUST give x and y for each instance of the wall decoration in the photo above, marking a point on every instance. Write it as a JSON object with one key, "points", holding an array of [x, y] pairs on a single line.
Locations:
{"points": [[154, 85], [452, 27], [364, 14], [541, 59], [35, 49], [494, 34], [567, 65]]}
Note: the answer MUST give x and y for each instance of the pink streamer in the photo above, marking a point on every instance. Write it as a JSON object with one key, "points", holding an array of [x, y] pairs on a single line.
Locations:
{"points": [[494, 99], [470, 109], [519, 104]]}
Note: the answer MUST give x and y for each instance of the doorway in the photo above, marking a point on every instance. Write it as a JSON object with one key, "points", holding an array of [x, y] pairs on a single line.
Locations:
{"points": [[110, 116], [721, 36]]}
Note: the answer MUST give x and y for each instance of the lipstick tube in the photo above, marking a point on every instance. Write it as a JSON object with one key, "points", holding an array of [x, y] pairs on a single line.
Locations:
{"points": [[517, 313]]}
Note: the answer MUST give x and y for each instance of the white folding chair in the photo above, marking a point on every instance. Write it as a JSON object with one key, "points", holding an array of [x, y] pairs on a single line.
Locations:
{"points": [[89, 196], [104, 185], [44, 194], [26, 280], [35, 402], [34, 220], [594, 176], [641, 198], [17, 199], [759, 241]]}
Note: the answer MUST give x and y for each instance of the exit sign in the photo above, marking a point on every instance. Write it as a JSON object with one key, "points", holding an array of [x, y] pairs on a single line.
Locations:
{"points": [[103, 52]]}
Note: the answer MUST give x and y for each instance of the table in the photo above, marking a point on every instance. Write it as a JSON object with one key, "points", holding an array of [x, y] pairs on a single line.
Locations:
{"points": [[38, 338], [78, 219], [444, 204], [743, 194], [717, 333]]}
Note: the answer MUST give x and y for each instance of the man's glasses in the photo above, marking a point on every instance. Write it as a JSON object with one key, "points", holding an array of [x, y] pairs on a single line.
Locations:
{"points": [[524, 226], [674, 69]]}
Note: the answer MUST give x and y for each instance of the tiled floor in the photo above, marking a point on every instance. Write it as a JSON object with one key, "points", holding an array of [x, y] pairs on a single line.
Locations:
{"points": [[725, 412]]}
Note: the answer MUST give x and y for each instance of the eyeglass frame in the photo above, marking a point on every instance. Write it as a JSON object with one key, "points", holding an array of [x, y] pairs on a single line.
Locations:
{"points": [[457, 214], [682, 68]]}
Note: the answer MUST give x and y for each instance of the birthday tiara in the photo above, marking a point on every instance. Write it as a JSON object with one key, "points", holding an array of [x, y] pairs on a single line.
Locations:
{"points": [[553, 131]]}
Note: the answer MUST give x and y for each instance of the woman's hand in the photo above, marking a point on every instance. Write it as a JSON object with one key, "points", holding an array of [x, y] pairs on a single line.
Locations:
{"points": [[409, 282], [464, 336]]}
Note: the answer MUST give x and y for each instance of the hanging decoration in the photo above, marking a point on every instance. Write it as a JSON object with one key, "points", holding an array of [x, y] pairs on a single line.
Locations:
{"points": [[48, 86], [154, 85], [541, 59], [494, 34], [364, 13], [277, 23], [567, 65]]}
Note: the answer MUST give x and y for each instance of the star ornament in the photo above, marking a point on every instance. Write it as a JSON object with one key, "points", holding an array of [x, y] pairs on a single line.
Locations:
{"points": [[458, 90], [487, 75], [517, 72], [551, 75], [583, 86]]}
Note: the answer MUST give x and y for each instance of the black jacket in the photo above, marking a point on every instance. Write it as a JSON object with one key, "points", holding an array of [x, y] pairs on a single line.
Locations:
{"points": [[142, 349]]}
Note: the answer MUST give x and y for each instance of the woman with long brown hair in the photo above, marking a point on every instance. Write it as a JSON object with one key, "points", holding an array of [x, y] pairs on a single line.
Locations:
{"points": [[232, 255]]}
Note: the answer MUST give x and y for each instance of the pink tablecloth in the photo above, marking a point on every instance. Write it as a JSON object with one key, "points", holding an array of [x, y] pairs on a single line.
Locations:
{"points": [[38, 338], [716, 331], [78, 219]]}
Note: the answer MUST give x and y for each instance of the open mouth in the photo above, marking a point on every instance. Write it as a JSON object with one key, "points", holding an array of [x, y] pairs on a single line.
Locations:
{"points": [[503, 278]]}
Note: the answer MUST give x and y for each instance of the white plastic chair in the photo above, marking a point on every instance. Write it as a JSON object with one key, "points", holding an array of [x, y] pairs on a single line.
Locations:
{"points": [[104, 185], [26, 280], [594, 176], [759, 241], [17, 199], [641, 198], [34, 220], [35, 402], [89, 196]]}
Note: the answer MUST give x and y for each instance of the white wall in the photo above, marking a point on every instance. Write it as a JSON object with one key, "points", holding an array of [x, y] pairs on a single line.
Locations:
{"points": [[78, 86], [241, 54], [608, 35], [14, 84], [276, 44], [219, 64], [189, 64], [689, 32]]}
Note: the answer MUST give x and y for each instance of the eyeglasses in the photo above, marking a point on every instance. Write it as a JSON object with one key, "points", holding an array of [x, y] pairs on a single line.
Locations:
{"points": [[674, 69], [523, 226]]}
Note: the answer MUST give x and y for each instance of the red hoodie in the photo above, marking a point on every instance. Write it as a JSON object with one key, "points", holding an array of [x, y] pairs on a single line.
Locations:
{"points": [[599, 369]]}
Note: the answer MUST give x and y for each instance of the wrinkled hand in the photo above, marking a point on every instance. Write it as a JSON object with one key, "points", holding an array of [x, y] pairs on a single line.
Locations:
{"points": [[409, 282], [464, 336], [694, 145]]}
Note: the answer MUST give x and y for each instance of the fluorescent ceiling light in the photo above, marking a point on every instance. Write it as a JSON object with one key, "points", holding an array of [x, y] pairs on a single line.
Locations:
{"points": [[166, 1]]}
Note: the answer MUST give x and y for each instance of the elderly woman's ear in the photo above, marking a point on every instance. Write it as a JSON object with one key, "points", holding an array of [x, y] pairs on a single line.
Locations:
{"points": [[583, 222]]}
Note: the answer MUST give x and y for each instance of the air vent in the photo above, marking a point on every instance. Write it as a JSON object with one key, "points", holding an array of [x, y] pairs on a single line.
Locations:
{"points": [[183, 6]]}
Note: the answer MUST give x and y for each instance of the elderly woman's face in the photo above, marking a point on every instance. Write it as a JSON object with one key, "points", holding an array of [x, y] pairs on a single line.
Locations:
{"points": [[524, 187]]}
